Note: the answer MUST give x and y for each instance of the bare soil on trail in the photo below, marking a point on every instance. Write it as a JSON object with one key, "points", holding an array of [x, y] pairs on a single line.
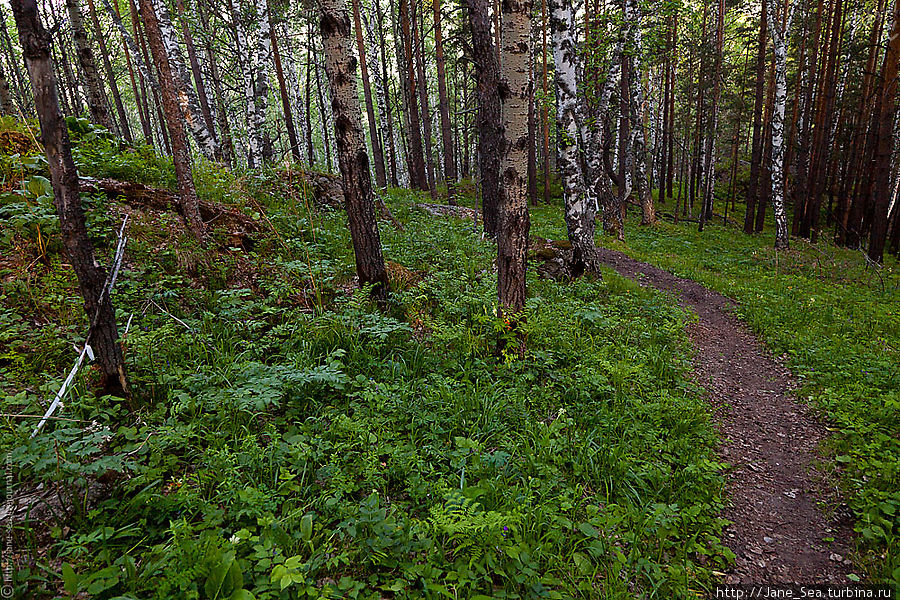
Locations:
{"points": [[779, 528]]}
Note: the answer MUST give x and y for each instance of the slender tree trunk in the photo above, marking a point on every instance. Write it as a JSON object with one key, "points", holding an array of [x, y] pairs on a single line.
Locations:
{"points": [[285, 98], [545, 101], [110, 74], [515, 89], [759, 103], [416, 154], [185, 96], [580, 211], [181, 155], [7, 106], [780, 40], [377, 154], [489, 120], [418, 41], [450, 175], [96, 98], [340, 67], [885, 148], [103, 335], [226, 142], [202, 97], [380, 77], [638, 132]]}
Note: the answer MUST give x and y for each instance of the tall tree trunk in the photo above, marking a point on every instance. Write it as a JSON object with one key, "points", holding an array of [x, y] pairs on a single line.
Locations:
{"points": [[110, 74], [580, 210], [260, 71], [885, 148], [759, 103], [780, 39], [638, 131], [225, 140], [326, 138], [380, 77], [515, 89], [285, 98], [377, 154], [489, 121], [340, 66], [418, 39], [181, 155], [202, 97], [103, 335], [450, 175], [185, 96], [7, 106], [545, 102], [416, 155], [96, 98]]}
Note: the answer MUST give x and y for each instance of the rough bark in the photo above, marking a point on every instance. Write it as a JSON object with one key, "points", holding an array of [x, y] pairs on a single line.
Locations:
{"points": [[580, 212], [418, 41], [125, 129], [489, 120], [450, 175], [103, 335], [375, 140], [780, 41], [181, 156], [285, 97], [96, 97], [759, 103], [406, 67], [202, 96], [515, 89], [885, 148], [340, 67], [187, 99], [638, 131]]}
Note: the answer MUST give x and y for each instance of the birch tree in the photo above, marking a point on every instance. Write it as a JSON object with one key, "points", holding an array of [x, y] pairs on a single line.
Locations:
{"points": [[340, 68], [780, 43], [515, 90], [580, 210]]}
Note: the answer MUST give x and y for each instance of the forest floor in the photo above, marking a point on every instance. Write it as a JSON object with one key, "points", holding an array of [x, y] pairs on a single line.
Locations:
{"points": [[778, 532]]}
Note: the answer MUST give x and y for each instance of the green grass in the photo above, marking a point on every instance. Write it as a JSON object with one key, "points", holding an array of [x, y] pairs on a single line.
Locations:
{"points": [[289, 440], [836, 318]]}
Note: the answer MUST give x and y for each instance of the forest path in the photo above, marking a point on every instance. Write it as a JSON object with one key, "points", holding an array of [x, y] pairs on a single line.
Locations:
{"points": [[778, 531]]}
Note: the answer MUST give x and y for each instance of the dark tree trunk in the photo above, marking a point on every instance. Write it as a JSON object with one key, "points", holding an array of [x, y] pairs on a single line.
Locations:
{"points": [[418, 39], [102, 335], [759, 103], [283, 91], [490, 124], [415, 156], [377, 153], [181, 156], [125, 129], [885, 147], [340, 67], [202, 97], [450, 175]]}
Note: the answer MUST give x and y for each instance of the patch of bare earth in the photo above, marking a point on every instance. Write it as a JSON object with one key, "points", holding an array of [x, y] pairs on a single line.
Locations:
{"points": [[779, 528]]}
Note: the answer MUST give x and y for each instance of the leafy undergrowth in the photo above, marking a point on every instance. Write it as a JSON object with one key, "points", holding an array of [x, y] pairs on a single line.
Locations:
{"points": [[837, 319], [287, 440]]}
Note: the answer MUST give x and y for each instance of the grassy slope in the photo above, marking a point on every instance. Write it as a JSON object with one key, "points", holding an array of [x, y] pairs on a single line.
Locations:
{"points": [[295, 442]]}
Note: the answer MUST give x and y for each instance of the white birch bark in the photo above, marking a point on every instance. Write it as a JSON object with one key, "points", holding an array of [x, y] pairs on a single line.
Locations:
{"points": [[295, 97], [580, 208], [263, 58], [779, 42], [638, 133], [187, 99], [252, 144]]}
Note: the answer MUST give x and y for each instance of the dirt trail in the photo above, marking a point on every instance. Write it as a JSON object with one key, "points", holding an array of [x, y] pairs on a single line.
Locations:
{"points": [[768, 438]]}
